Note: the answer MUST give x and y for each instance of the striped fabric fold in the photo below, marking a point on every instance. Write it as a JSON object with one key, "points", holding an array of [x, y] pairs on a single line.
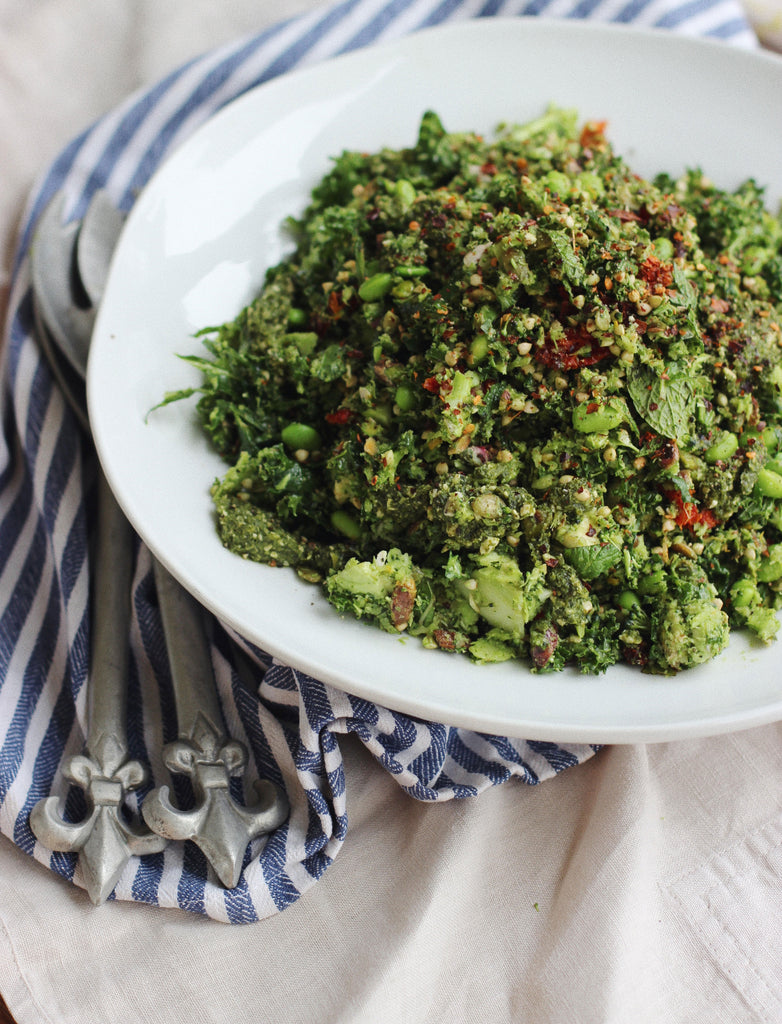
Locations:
{"points": [[289, 721]]}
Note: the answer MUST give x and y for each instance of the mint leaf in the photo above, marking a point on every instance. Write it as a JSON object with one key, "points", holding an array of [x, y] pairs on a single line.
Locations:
{"points": [[594, 561], [664, 397], [572, 269]]}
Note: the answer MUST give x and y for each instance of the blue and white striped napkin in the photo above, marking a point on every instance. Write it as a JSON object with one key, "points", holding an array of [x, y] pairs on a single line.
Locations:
{"points": [[289, 721]]}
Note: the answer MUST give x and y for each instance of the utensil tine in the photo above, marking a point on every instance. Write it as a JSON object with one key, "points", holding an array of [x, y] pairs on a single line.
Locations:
{"points": [[71, 383], [52, 271], [96, 242]]}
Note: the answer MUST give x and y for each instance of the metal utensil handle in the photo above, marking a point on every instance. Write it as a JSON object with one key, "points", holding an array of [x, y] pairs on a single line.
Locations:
{"points": [[105, 839], [189, 656], [220, 826], [113, 574]]}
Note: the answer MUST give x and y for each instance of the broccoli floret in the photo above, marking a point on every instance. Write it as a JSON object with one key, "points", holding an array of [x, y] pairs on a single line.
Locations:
{"points": [[492, 648], [763, 622], [504, 596], [384, 589], [463, 514], [691, 633], [748, 609]]}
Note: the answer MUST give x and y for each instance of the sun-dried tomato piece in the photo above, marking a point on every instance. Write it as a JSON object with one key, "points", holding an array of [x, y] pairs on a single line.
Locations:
{"points": [[689, 515], [576, 349], [339, 417]]}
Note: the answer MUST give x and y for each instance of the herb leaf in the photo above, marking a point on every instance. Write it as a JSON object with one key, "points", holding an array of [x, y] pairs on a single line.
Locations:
{"points": [[663, 397]]}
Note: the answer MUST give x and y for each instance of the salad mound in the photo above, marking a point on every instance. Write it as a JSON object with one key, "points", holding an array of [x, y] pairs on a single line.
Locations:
{"points": [[509, 397]]}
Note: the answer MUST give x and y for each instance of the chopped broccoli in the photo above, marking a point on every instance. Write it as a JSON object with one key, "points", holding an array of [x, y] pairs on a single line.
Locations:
{"points": [[504, 596], [689, 634], [384, 589]]}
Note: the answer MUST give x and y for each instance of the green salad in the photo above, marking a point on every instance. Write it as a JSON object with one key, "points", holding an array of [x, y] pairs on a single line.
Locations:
{"points": [[512, 399]]}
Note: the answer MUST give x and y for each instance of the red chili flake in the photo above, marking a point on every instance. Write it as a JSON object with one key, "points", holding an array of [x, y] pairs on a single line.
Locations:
{"points": [[720, 305], [489, 168], [339, 417], [655, 272], [577, 348], [432, 384]]}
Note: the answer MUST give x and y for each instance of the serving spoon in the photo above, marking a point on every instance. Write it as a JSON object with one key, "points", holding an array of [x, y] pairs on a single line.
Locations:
{"points": [[69, 265]]}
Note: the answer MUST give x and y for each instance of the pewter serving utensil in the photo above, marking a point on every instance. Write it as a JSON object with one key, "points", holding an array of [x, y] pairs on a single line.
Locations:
{"points": [[106, 838], [77, 257], [220, 826]]}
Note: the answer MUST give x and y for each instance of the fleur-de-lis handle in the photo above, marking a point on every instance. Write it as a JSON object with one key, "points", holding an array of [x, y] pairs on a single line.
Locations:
{"points": [[106, 838], [217, 824]]}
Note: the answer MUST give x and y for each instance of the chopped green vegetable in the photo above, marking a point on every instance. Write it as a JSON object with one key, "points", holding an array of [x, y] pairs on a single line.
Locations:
{"points": [[511, 398]]}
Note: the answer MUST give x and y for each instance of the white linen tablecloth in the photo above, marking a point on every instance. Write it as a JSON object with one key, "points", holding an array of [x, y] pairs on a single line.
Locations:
{"points": [[643, 885]]}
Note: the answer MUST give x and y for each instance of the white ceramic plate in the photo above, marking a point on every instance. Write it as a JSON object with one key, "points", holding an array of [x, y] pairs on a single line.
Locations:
{"points": [[195, 249]]}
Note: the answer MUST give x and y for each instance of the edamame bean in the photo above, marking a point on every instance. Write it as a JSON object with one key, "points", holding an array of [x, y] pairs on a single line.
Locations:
{"points": [[412, 271], [543, 482], [298, 436], [663, 248], [744, 593], [405, 192], [775, 465], [479, 349], [593, 418], [297, 317], [590, 183], [403, 290], [345, 524], [770, 567], [404, 398], [769, 484], [375, 287], [723, 448], [627, 600], [557, 183], [768, 436]]}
